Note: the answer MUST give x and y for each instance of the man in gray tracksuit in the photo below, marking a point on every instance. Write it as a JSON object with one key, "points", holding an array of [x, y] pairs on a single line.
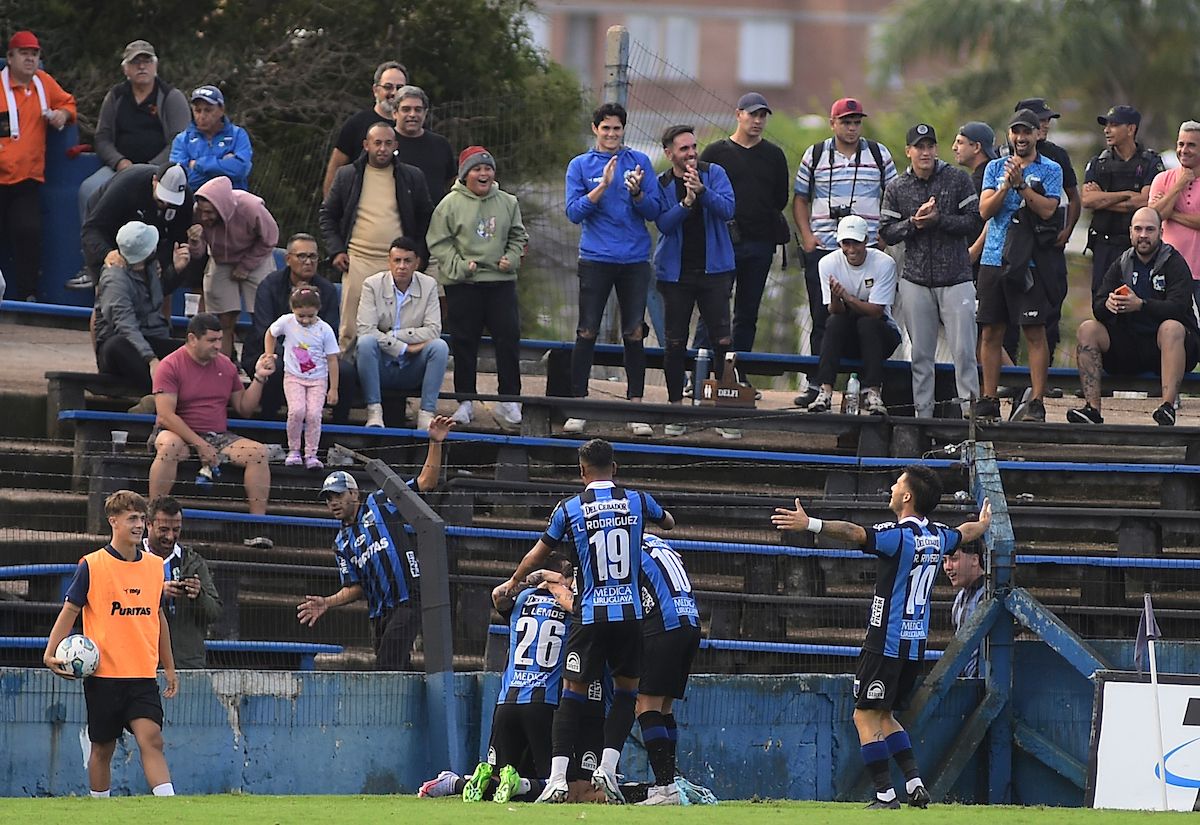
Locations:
{"points": [[934, 211]]}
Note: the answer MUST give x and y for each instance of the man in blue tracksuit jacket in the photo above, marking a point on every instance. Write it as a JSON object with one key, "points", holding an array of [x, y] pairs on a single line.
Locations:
{"points": [[694, 260], [211, 145], [605, 196]]}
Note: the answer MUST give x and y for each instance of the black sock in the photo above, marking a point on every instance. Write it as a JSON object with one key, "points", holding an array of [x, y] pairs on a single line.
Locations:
{"points": [[658, 746], [875, 755], [536, 786], [565, 730], [459, 784], [619, 721], [900, 747], [673, 738], [635, 792]]}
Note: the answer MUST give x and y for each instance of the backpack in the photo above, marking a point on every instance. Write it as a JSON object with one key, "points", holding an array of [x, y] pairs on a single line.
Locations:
{"points": [[817, 148]]}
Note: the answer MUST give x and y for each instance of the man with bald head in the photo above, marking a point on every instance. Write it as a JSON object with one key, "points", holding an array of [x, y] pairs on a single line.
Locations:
{"points": [[1144, 321]]}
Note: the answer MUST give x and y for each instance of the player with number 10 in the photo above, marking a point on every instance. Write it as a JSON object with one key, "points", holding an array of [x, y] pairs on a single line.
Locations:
{"points": [[602, 527], [910, 550]]}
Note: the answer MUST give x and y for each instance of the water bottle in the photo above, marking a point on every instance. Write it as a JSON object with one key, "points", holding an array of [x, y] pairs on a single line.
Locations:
{"points": [[207, 474], [703, 364], [853, 392]]}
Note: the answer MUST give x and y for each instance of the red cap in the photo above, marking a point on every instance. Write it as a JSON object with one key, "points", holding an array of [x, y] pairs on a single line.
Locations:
{"points": [[846, 106], [24, 40]]}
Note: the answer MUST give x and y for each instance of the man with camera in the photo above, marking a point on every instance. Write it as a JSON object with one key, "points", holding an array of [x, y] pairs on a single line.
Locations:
{"points": [[1020, 196], [840, 176]]}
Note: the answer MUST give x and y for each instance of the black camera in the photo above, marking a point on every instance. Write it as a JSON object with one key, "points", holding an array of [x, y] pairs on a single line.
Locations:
{"points": [[839, 212]]}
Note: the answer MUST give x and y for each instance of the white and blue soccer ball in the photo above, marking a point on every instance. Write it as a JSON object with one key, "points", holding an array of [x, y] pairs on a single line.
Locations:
{"points": [[79, 655]]}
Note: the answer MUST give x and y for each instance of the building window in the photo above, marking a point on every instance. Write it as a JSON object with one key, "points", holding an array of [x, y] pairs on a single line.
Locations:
{"points": [[675, 40], [765, 52], [581, 45]]}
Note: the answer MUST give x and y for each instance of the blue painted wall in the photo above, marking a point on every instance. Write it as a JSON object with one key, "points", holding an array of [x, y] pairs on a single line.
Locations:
{"points": [[275, 732]]}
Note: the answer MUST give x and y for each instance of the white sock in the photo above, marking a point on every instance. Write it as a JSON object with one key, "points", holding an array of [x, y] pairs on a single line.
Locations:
{"points": [[886, 796], [609, 760], [524, 787], [558, 768], [101, 794], [165, 789], [912, 784]]}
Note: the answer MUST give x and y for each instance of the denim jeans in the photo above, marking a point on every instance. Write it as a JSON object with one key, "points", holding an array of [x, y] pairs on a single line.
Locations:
{"points": [[872, 340], [596, 281], [752, 264], [710, 293], [422, 371]]}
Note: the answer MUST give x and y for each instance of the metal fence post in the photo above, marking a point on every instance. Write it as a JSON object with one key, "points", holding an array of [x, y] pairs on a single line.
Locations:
{"points": [[616, 66]]}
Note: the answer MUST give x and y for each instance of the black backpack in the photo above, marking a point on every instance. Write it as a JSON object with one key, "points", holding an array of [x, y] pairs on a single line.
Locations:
{"points": [[816, 150]]}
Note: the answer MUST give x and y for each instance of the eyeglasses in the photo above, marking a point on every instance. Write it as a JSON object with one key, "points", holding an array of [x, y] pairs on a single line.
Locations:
{"points": [[389, 87], [307, 257]]}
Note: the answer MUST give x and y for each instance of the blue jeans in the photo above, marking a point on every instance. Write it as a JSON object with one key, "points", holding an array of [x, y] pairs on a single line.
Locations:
{"points": [[752, 264], [422, 371], [596, 281]]}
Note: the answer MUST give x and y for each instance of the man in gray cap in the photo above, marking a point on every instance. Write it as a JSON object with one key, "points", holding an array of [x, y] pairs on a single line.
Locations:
{"points": [[139, 118], [375, 558], [974, 146], [131, 333]]}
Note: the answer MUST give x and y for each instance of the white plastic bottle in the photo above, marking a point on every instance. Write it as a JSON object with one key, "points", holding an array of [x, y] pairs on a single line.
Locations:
{"points": [[853, 394]]}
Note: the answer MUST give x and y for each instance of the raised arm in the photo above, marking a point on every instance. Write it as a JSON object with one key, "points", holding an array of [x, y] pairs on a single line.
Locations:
{"points": [[972, 530], [797, 519]]}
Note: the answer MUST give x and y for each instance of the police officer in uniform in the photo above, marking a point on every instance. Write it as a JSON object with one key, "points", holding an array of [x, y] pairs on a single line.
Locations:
{"points": [[376, 560]]}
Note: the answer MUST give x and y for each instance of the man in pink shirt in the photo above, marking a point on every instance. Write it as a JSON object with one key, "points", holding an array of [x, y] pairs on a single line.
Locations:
{"points": [[1175, 195], [193, 388]]}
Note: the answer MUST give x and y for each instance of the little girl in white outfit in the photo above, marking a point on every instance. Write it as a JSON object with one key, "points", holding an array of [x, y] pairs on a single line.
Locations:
{"points": [[310, 365]]}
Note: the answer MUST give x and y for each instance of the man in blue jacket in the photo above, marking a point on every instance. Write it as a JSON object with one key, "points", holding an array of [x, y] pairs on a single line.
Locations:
{"points": [[604, 194], [211, 145], [694, 259]]}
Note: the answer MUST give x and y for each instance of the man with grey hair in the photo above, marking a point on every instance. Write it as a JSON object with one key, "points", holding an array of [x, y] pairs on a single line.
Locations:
{"points": [[1175, 196], [419, 147], [390, 78]]}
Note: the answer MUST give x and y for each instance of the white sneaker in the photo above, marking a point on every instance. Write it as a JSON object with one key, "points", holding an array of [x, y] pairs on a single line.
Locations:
{"points": [[674, 429], [556, 790], [640, 428], [574, 425], [424, 419], [874, 403], [374, 415], [602, 780], [662, 795], [730, 433], [508, 414], [463, 414]]}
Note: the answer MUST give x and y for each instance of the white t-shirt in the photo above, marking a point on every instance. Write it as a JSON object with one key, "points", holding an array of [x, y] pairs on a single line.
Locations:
{"points": [[874, 281], [305, 349]]}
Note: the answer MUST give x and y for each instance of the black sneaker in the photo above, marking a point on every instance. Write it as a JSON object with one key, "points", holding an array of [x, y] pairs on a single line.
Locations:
{"points": [[919, 798], [1032, 410], [880, 805], [1164, 416], [986, 407], [805, 398], [1087, 414]]}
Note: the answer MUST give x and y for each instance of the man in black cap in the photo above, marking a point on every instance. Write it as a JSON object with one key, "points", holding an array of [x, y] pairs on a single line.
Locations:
{"points": [[758, 170], [1116, 183]]}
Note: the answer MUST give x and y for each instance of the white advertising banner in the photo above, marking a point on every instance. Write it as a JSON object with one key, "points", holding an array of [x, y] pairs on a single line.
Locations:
{"points": [[1123, 768]]}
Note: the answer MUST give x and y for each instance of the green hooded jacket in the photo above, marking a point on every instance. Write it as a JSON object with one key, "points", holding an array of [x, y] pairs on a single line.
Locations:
{"points": [[466, 227]]}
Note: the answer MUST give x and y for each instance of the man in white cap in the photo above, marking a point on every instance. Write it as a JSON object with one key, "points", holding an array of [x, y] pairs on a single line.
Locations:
{"points": [[858, 287], [131, 333]]}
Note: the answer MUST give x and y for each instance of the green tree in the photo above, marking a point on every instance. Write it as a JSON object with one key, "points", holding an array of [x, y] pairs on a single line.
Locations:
{"points": [[1094, 53]]}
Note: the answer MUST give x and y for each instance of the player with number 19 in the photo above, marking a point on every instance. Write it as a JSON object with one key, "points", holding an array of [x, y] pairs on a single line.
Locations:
{"points": [[602, 528], [910, 550]]}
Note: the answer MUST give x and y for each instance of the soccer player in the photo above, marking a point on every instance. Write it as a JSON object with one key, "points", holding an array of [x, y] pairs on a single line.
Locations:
{"points": [[910, 551], [118, 589], [604, 524], [671, 637], [376, 560]]}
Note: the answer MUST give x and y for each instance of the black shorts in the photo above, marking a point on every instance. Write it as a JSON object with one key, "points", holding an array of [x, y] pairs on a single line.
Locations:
{"points": [[668, 662], [589, 747], [591, 646], [521, 738], [883, 682], [112, 704], [1003, 302], [1132, 351]]}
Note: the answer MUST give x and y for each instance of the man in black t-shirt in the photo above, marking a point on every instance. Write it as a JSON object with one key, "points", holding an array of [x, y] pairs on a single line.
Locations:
{"points": [[419, 147], [390, 78], [974, 146]]}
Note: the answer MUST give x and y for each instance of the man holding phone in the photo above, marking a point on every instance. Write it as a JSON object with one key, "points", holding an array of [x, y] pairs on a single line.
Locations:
{"points": [[1144, 321]]}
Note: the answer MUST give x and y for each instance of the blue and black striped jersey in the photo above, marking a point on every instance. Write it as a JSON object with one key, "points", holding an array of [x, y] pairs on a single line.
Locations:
{"points": [[667, 601], [375, 553], [603, 526], [537, 631], [910, 555]]}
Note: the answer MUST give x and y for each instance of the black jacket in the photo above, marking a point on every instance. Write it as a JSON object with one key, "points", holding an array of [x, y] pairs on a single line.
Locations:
{"points": [[340, 208], [937, 256], [1172, 302], [1030, 238], [272, 300]]}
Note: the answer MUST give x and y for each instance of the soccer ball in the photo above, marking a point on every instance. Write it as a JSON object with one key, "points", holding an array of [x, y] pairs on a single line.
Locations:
{"points": [[79, 654]]}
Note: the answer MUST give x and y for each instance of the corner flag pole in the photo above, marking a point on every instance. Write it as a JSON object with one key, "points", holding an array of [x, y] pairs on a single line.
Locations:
{"points": [[1162, 768]]}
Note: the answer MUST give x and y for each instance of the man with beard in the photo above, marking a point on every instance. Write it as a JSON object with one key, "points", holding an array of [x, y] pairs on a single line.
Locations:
{"points": [[390, 77], [1015, 294]]}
